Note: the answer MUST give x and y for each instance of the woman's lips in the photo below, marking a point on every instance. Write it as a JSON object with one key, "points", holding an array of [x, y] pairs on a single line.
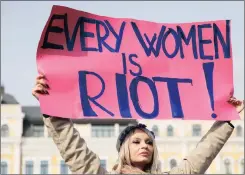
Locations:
{"points": [[144, 154]]}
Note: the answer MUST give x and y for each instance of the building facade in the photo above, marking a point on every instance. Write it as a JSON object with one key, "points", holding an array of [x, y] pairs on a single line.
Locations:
{"points": [[28, 149]]}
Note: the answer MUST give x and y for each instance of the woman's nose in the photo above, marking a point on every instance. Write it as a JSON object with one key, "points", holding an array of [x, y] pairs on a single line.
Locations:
{"points": [[144, 145]]}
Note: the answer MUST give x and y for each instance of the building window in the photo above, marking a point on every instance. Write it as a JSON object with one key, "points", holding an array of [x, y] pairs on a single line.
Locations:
{"points": [[239, 131], [103, 131], [155, 130], [170, 131], [173, 163], [44, 167], [242, 166], [4, 131], [63, 167], [227, 164], [38, 131], [4, 167], [103, 163], [196, 130], [29, 167]]}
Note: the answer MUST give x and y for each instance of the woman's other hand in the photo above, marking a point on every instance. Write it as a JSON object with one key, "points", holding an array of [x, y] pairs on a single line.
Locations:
{"points": [[41, 87], [237, 103]]}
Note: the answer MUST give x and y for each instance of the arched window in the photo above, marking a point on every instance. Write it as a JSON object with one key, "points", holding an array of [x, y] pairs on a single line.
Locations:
{"points": [[29, 167], [103, 163], [4, 167], [4, 131], [170, 131], [239, 131], [227, 164], [173, 163], [44, 167], [196, 130], [155, 130], [63, 167]]}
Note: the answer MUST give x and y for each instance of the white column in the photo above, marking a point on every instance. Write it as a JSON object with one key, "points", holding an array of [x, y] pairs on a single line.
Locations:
{"points": [[218, 164], [116, 129], [36, 166], [184, 148], [182, 131], [17, 157], [90, 130]]}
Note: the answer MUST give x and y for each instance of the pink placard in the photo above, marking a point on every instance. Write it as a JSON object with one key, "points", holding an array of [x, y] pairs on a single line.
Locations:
{"points": [[103, 67]]}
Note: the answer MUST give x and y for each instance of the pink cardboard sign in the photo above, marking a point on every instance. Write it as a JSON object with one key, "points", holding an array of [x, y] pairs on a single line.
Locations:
{"points": [[103, 67]]}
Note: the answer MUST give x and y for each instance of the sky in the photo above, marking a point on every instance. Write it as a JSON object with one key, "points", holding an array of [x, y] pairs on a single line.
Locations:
{"points": [[23, 22]]}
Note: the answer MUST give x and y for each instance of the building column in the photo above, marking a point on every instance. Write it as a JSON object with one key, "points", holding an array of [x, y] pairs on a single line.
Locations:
{"points": [[184, 148], [116, 129], [17, 158], [218, 164], [184, 141]]}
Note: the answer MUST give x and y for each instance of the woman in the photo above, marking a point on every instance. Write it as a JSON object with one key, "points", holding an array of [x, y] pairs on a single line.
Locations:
{"points": [[136, 145]]}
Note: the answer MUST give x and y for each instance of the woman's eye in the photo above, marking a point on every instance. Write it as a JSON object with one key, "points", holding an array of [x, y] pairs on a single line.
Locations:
{"points": [[149, 142], [136, 142]]}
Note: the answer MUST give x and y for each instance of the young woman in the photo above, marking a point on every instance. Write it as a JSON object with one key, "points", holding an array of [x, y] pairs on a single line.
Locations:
{"points": [[137, 150]]}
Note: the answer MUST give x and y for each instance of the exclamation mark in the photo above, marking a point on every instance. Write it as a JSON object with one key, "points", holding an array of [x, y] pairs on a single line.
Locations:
{"points": [[208, 71]]}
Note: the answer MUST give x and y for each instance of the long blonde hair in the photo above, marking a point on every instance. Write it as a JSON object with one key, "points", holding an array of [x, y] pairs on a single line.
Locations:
{"points": [[124, 158]]}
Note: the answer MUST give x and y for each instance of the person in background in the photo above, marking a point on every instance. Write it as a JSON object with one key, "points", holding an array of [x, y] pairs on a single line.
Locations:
{"points": [[136, 146]]}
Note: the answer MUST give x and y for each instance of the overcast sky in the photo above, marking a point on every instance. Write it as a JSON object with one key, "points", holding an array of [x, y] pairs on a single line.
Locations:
{"points": [[23, 22]]}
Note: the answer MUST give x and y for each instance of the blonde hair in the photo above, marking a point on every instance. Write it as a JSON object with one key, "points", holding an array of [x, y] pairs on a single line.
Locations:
{"points": [[124, 157]]}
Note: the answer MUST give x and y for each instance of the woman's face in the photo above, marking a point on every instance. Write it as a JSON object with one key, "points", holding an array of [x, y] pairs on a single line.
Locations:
{"points": [[140, 148]]}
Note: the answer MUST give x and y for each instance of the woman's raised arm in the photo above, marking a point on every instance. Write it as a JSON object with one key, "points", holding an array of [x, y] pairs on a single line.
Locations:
{"points": [[208, 147], [71, 145]]}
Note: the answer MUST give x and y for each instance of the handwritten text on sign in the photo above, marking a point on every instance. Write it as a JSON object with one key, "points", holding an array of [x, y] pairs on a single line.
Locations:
{"points": [[124, 68]]}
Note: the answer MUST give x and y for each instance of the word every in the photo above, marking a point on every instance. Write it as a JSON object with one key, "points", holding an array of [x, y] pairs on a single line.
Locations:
{"points": [[193, 38]]}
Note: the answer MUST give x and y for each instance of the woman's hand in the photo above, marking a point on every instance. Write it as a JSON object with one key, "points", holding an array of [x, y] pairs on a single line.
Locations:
{"points": [[41, 87], [237, 103]]}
